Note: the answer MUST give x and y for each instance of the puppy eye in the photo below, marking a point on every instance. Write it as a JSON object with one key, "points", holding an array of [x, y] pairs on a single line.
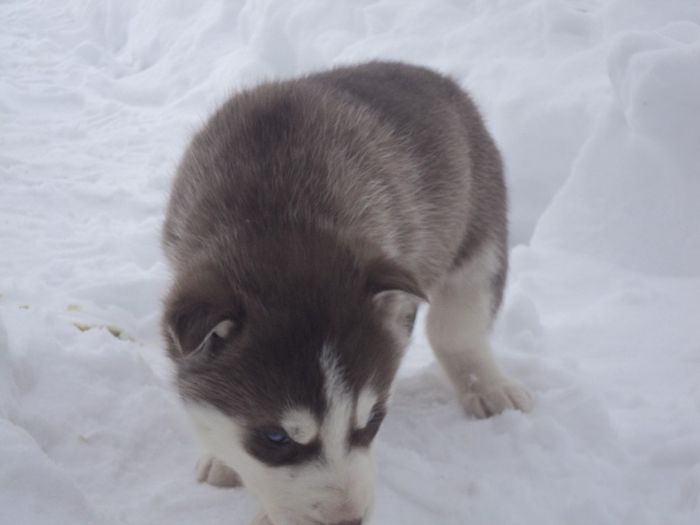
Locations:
{"points": [[277, 437], [377, 417], [363, 437], [274, 447]]}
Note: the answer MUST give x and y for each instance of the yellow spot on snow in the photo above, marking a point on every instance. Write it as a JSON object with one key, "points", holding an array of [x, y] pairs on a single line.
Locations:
{"points": [[112, 329], [115, 331], [82, 326]]}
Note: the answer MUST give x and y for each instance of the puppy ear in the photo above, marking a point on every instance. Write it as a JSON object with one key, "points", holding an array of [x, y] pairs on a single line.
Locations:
{"points": [[385, 277], [198, 320], [194, 330], [396, 294], [213, 342]]}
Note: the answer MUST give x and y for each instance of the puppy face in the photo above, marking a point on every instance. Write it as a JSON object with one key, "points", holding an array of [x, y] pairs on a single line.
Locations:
{"points": [[289, 385], [304, 467]]}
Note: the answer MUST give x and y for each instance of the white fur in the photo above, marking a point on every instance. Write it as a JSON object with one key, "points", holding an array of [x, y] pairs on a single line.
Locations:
{"points": [[224, 328], [300, 425], [338, 488], [459, 321], [365, 403], [351, 480]]}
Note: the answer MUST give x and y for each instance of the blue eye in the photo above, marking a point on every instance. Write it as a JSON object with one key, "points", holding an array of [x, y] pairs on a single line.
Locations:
{"points": [[278, 437]]}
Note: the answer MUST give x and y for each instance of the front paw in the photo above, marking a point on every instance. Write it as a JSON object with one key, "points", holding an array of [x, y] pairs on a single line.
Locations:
{"points": [[214, 472], [484, 401]]}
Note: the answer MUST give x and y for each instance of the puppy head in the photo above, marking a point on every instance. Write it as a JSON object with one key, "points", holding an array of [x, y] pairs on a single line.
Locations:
{"points": [[287, 380]]}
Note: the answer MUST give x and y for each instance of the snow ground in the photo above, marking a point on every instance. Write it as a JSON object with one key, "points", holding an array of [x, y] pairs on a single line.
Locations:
{"points": [[595, 105]]}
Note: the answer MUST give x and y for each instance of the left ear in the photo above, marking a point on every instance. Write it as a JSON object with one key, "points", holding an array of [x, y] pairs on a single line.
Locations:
{"points": [[387, 276], [395, 292]]}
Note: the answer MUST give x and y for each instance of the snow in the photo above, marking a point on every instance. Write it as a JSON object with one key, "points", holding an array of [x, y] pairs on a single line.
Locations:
{"points": [[595, 106]]}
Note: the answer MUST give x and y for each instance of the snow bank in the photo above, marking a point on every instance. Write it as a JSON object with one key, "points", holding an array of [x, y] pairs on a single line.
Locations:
{"points": [[632, 197], [595, 107]]}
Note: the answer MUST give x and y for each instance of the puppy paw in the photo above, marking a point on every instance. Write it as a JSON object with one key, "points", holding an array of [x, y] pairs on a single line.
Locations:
{"points": [[492, 399], [214, 472]]}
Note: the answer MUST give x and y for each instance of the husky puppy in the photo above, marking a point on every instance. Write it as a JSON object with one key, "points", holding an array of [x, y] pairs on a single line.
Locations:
{"points": [[307, 221]]}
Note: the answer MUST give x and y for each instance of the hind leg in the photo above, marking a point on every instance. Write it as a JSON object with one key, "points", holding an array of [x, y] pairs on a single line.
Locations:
{"points": [[458, 326]]}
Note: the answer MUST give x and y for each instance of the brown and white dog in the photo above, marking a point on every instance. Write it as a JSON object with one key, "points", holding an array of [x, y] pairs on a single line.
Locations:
{"points": [[307, 221]]}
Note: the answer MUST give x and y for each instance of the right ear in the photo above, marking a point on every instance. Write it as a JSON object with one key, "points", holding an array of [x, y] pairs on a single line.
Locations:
{"points": [[189, 336], [195, 323]]}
